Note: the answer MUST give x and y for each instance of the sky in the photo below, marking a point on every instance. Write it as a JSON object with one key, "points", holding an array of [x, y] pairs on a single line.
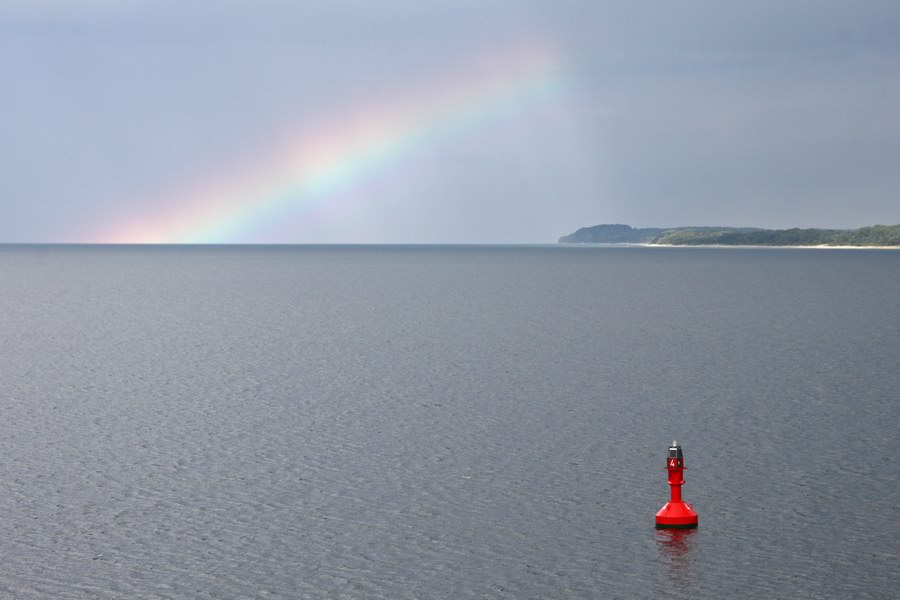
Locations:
{"points": [[455, 121]]}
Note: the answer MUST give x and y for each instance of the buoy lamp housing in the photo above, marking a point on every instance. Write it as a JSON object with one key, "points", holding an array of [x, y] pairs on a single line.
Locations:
{"points": [[676, 513]]}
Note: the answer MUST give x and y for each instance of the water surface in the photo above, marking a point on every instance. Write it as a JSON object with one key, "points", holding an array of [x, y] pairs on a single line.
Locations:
{"points": [[447, 422]]}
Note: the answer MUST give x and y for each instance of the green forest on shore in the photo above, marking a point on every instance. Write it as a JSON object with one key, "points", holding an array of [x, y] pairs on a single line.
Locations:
{"points": [[875, 235]]}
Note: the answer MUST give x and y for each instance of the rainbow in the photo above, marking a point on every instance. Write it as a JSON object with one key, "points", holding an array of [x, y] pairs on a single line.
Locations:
{"points": [[313, 171]]}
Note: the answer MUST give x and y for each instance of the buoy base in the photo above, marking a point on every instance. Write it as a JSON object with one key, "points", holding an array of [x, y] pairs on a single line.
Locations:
{"points": [[676, 515]]}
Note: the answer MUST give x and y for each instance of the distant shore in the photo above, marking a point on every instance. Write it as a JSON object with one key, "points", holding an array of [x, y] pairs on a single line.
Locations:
{"points": [[875, 236], [759, 246], [729, 246]]}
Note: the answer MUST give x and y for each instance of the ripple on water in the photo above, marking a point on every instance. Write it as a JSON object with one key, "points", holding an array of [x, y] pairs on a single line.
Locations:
{"points": [[455, 423]]}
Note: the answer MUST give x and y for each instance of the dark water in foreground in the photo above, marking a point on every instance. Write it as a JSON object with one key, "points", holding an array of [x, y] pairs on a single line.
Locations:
{"points": [[470, 422]]}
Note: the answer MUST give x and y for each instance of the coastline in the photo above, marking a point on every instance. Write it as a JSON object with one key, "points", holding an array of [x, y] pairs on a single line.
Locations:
{"points": [[758, 246], [749, 246], [864, 238]]}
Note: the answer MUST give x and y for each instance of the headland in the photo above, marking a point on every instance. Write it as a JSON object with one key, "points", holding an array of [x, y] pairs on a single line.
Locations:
{"points": [[875, 236]]}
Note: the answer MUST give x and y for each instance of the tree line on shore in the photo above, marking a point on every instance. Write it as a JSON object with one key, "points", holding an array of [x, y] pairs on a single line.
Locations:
{"points": [[875, 235]]}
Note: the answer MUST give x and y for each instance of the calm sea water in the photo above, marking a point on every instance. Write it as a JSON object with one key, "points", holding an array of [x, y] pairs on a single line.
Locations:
{"points": [[447, 422]]}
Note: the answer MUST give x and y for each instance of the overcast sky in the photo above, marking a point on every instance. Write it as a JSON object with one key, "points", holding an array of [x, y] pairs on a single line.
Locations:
{"points": [[661, 113]]}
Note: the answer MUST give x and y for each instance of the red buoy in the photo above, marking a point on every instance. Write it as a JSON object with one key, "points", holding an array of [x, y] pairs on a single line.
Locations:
{"points": [[676, 513]]}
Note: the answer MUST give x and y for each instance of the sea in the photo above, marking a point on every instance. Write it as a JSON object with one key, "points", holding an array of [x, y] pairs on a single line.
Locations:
{"points": [[450, 422]]}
